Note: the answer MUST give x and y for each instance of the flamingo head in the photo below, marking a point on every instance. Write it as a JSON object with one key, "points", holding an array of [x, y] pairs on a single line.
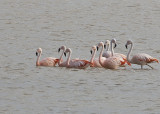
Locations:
{"points": [[93, 48], [107, 43], [68, 50], [114, 41], [39, 51], [99, 45], [62, 47], [128, 43]]}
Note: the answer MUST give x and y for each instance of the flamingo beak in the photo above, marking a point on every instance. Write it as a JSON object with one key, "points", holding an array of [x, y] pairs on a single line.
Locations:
{"points": [[126, 46], [97, 48], [59, 50], [115, 45], [64, 54], [91, 52], [36, 54], [105, 46]]}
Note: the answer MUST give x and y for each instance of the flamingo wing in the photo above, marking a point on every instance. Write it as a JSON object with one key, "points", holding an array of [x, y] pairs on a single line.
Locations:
{"points": [[143, 58], [79, 63], [49, 61]]}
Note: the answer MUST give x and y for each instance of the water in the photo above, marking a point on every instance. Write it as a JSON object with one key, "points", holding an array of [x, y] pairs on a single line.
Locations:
{"points": [[78, 24]]}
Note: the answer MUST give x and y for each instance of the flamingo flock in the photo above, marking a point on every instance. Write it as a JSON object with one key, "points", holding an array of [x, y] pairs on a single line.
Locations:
{"points": [[107, 58]]}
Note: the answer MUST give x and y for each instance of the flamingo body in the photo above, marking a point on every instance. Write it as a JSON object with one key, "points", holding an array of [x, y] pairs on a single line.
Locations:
{"points": [[49, 61], [112, 62], [141, 58], [75, 63]]}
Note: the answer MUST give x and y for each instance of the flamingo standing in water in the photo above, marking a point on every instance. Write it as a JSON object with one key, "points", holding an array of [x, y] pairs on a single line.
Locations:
{"points": [[60, 63], [112, 62], [49, 61], [94, 61], [75, 63], [141, 58]]}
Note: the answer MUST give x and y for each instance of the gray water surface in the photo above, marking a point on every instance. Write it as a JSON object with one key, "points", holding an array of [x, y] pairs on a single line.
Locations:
{"points": [[26, 25]]}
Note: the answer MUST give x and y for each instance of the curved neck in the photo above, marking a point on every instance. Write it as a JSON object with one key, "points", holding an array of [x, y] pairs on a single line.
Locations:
{"points": [[128, 55], [100, 55], [93, 56], [68, 59], [112, 51], [37, 62], [60, 59]]}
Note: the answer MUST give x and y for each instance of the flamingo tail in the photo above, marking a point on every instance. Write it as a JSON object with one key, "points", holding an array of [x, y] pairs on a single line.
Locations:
{"points": [[125, 61], [56, 61], [154, 59]]}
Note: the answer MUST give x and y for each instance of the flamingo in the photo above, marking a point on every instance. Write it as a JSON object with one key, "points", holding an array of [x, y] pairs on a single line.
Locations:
{"points": [[94, 61], [60, 63], [121, 56], [112, 51], [49, 61], [75, 63], [140, 58], [107, 53], [111, 62]]}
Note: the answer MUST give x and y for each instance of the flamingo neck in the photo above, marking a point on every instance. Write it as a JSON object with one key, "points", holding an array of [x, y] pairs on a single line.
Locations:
{"points": [[60, 59], [68, 59], [37, 62], [128, 55], [108, 47], [93, 56], [100, 55], [112, 51]]}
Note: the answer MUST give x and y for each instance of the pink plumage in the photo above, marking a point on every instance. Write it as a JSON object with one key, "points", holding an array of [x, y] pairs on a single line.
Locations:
{"points": [[112, 62], [75, 63], [140, 58], [49, 61], [94, 61]]}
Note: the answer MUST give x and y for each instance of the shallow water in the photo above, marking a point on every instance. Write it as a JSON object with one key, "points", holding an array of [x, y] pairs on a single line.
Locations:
{"points": [[27, 25]]}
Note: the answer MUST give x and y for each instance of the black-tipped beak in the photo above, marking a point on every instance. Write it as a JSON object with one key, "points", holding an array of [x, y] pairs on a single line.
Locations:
{"points": [[91, 52], [59, 50], [115, 45], [36, 54], [126, 46], [65, 54], [97, 48], [104, 46]]}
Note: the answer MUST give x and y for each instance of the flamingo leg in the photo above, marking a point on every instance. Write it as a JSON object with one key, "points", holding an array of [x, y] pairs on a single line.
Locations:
{"points": [[149, 66]]}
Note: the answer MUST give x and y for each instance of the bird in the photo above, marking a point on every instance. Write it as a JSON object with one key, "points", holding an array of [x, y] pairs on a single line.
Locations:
{"points": [[113, 41], [49, 61], [111, 53], [94, 61], [107, 53], [112, 62], [75, 63], [60, 59], [140, 58]]}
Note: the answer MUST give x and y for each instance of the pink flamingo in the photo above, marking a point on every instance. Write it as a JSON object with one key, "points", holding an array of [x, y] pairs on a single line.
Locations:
{"points": [[94, 61], [49, 61], [111, 62], [60, 63], [107, 53], [75, 63], [112, 51], [141, 58]]}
